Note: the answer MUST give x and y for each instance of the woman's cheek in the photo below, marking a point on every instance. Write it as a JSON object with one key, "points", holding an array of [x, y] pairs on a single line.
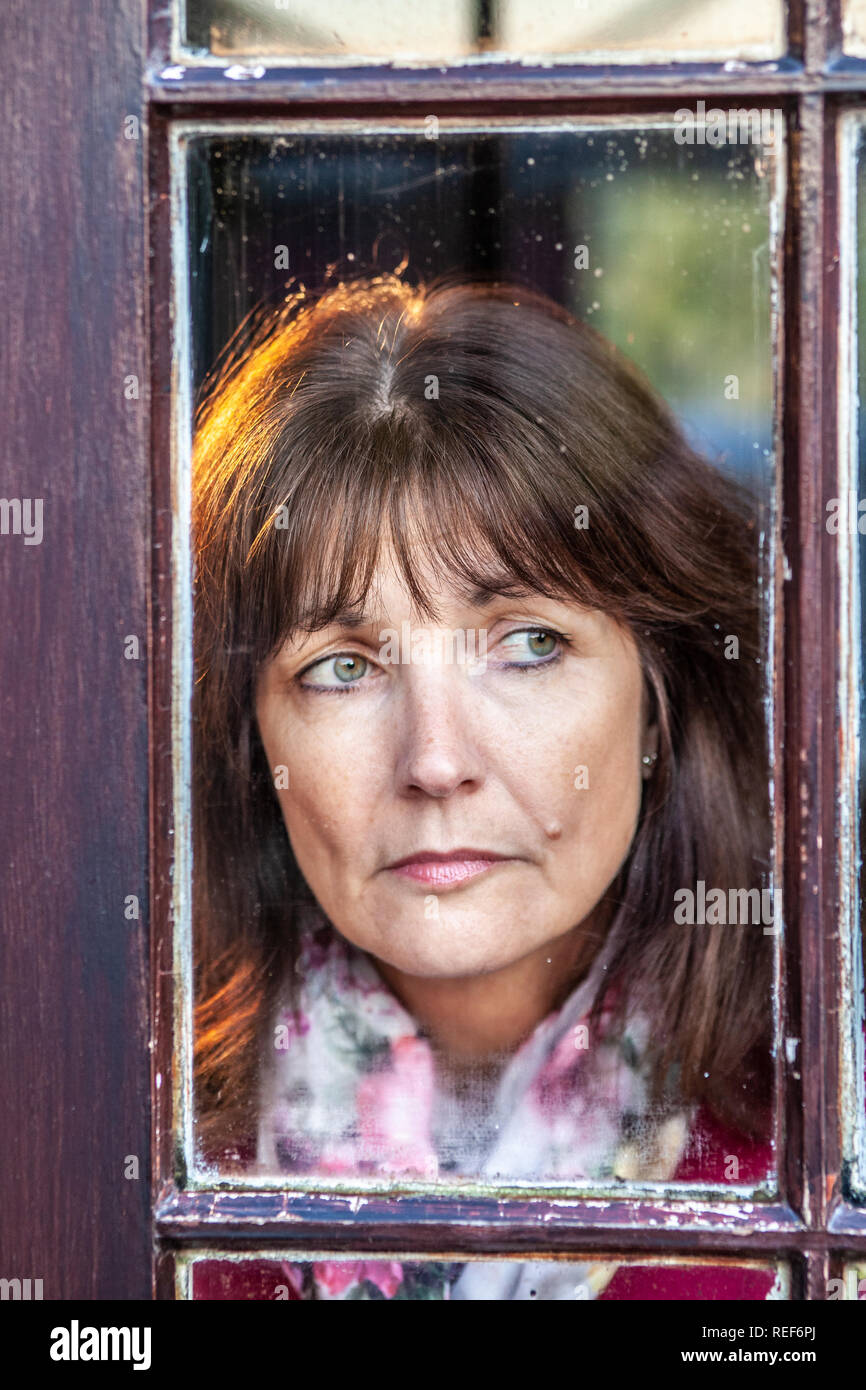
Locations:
{"points": [[601, 786], [310, 800], [597, 752], [327, 802]]}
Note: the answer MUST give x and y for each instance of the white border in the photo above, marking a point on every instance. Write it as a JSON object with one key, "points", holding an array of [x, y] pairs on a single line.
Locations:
{"points": [[181, 657], [852, 1064]]}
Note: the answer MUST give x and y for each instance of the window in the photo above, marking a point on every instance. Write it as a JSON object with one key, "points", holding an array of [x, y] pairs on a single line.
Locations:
{"points": [[262, 150], [515, 197]]}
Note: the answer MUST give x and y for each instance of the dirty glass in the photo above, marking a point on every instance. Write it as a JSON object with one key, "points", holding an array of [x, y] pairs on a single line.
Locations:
{"points": [[618, 30], [605, 1278], [504, 913]]}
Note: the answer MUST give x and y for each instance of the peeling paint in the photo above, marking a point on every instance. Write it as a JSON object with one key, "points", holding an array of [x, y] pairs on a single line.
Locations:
{"points": [[852, 1062], [238, 73]]}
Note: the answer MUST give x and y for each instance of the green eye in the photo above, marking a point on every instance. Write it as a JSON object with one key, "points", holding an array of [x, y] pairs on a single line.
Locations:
{"points": [[541, 643], [335, 671], [349, 668], [521, 647]]}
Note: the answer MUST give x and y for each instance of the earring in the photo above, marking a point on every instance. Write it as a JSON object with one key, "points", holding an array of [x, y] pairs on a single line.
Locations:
{"points": [[649, 760]]}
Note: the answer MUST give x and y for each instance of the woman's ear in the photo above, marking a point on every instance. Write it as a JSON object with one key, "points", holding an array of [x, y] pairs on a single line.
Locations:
{"points": [[649, 749]]}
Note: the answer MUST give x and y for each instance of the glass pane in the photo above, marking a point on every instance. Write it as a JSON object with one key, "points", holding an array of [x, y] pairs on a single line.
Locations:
{"points": [[333, 29], [851, 1287], [604, 1279], [854, 27], [483, 891], [618, 31]]}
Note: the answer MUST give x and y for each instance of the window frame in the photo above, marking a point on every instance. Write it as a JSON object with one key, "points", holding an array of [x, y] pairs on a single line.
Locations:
{"points": [[817, 1225]]}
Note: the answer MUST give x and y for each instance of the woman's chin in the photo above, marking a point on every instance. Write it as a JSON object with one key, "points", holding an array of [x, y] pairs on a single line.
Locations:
{"points": [[447, 947]]}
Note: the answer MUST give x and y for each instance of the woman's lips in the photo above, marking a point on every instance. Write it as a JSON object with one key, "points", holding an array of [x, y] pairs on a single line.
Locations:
{"points": [[447, 870]]}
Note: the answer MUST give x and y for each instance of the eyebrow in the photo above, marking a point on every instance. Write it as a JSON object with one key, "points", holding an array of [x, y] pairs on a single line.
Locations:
{"points": [[480, 596]]}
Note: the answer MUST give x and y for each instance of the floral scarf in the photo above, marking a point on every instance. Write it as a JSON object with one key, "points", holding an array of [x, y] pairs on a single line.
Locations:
{"points": [[351, 1088]]}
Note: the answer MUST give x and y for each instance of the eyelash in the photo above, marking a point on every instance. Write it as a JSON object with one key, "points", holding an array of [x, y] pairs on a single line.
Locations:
{"points": [[521, 666], [524, 667]]}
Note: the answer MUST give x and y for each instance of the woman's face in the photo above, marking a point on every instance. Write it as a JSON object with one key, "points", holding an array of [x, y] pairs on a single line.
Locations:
{"points": [[451, 818]]}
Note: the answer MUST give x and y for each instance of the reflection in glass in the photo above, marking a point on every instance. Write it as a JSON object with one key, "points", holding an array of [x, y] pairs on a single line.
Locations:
{"points": [[582, 993], [601, 1278], [441, 30]]}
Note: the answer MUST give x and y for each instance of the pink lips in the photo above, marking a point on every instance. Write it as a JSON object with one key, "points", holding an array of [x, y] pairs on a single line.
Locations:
{"points": [[446, 870]]}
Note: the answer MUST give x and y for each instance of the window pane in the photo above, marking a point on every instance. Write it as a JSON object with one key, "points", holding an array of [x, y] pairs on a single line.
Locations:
{"points": [[602, 1278], [854, 27], [851, 1287], [632, 32], [503, 912], [334, 29], [619, 31]]}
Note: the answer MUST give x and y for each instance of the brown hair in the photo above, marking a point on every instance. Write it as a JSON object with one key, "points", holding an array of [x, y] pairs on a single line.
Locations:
{"points": [[475, 418]]}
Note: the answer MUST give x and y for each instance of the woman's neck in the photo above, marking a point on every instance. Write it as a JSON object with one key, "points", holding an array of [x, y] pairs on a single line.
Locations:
{"points": [[487, 1016]]}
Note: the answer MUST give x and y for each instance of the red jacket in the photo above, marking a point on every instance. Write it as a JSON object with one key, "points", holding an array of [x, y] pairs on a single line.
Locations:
{"points": [[706, 1159]]}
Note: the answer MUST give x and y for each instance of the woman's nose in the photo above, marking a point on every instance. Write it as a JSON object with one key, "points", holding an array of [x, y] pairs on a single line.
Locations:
{"points": [[439, 749]]}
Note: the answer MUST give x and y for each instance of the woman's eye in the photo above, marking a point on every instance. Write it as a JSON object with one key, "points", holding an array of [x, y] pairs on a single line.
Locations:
{"points": [[529, 646], [335, 672]]}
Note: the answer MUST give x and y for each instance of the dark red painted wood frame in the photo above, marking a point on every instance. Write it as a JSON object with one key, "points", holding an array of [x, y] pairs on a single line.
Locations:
{"points": [[74, 1001]]}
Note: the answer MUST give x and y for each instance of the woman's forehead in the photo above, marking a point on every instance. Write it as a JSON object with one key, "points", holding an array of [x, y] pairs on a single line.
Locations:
{"points": [[442, 585], [445, 594]]}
